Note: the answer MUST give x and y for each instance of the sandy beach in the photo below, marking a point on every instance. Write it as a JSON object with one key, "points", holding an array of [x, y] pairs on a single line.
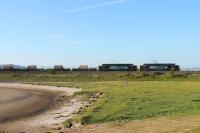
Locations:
{"points": [[33, 107], [16, 103]]}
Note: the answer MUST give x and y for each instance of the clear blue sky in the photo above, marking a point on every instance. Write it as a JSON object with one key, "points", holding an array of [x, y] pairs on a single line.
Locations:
{"points": [[73, 32]]}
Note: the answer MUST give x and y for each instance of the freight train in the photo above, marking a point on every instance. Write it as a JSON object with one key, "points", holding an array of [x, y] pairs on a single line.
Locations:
{"points": [[118, 67], [102, 68], [160, 67]]}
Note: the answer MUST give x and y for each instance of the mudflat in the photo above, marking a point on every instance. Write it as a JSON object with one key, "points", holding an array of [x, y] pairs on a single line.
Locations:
{"points": [[18, 103], [36, 108]]}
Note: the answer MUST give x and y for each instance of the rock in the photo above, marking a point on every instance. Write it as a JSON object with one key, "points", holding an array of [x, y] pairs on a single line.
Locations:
{"points": [[59, 128]]}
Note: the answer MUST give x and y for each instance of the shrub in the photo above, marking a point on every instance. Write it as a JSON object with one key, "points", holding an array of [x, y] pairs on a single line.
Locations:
{"points": [[68, 123], [85, 119]]}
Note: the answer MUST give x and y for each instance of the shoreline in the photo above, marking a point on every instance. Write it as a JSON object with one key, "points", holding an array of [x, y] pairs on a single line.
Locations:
{"points": [[46, 106], [27, 104]]}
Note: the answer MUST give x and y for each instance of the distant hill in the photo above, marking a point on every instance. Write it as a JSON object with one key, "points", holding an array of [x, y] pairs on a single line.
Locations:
{"points": [[191, 69]]}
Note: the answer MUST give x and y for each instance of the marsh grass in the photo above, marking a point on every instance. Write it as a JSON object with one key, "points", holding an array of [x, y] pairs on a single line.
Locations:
{"points": [[138, 100], [93, 76], [146, 95]]}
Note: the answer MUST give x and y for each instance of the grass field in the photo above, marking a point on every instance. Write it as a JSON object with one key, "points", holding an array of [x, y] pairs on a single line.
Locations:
{"points": [[139, 100], [93, 76], [145, 96]]}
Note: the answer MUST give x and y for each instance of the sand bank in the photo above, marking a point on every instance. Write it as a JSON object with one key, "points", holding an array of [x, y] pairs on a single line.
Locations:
{"points": [[30, 107]]}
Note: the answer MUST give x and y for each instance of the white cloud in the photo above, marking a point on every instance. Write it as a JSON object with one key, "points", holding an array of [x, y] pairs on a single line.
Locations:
{"points": [[95, 6], [55, 36], [78, 10]]}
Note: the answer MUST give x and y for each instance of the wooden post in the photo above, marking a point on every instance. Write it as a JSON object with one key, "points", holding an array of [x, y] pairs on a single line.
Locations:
{"points": [[125, 83]]}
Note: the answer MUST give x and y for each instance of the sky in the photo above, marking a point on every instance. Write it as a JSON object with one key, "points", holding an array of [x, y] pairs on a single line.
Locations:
{"points": [[74, 32]]}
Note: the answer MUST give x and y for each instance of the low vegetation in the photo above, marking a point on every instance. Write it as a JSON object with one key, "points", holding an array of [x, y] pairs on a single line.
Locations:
{"points": [[138, 100], [93, 76], [125, 96]]}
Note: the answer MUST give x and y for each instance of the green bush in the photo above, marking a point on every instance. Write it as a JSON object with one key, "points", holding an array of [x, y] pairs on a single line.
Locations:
{"points": [[85, 119], [68, 123]]}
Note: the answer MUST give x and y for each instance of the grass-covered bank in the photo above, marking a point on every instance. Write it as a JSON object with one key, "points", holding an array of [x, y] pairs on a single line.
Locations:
{"points": [[138, 100], [147, 95], [94, 76]]}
